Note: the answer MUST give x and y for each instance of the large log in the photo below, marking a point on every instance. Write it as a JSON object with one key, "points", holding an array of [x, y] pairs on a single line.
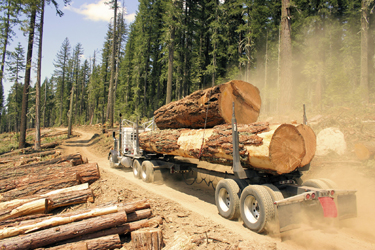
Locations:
{"points": [[190, 112], [87, 173], [64, 232], [276, 149], [5, 160], [13, 173]]}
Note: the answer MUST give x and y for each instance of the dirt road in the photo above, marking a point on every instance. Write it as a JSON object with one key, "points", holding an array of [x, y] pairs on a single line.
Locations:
{"points": [[197, 204]]}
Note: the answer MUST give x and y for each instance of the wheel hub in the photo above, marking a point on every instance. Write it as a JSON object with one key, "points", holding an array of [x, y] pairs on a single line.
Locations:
{"points": [[224, 200], [251, 209]]}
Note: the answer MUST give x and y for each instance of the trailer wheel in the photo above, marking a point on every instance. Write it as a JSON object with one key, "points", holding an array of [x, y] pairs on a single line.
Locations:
{"points": [[316, 183], [274, 192], [257, 208], [330, 183], [227, 199], [147, 171], [137, 168]]}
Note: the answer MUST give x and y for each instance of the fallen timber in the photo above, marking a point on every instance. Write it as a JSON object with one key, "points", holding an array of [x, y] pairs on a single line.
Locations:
{"points": [[276, 149]]}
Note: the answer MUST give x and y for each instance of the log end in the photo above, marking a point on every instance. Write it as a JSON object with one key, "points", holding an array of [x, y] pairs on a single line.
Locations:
{"points": [[287, 149], [246, 99], [310, 143]]}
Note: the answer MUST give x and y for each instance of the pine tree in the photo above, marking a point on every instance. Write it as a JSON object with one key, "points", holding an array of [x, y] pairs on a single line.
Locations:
{"points": [[61, 70]]}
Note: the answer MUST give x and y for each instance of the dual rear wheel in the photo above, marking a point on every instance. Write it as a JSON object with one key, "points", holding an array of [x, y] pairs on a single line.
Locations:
{"points": [[255, 204], [143, 170]]}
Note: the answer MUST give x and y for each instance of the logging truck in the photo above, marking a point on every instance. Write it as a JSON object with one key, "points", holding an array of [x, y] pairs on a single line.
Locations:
{"points": [[261, 198], [265, 162]]}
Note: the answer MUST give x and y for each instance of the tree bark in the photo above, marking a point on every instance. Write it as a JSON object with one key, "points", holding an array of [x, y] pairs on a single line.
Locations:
{"points": [[64, 232], [215, 103], [9, 205], [70, 113], [170, 65], [286, 87], [102, 243], [364, 51], [28, 226], [140, 221], [31, 206], [67, 181], [25, 95], [57, 220], [276, 149], [110, 104], [18, 157], [37, 86], [148, 238]]}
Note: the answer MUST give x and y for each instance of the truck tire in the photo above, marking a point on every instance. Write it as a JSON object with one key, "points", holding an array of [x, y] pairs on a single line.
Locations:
{"points": [[274, 192], [111, 163], [147, 172], [316, 183], [330, 183], [227, 199], [137, 168], [257, 208]]}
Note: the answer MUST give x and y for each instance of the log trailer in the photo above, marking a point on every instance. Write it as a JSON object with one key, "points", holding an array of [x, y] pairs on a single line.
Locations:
{"points": [[265, 202]]}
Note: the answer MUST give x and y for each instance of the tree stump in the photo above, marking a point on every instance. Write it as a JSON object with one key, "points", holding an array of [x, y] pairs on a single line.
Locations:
{"points": [[147, 239]]}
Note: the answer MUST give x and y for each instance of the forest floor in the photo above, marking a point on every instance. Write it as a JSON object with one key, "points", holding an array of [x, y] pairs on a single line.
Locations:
{"points": [[191, 219]]}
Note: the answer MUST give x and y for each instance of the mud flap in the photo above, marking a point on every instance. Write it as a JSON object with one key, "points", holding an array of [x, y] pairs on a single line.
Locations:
{"points": [[347, 206], [329, 207], [289, 216]]}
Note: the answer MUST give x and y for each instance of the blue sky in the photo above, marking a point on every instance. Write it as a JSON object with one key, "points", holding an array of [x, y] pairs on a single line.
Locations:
{"points": [[84, 22]]}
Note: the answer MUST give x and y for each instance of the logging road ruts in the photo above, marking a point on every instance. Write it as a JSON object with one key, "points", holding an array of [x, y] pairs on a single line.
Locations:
{"points": [[200, 199]]}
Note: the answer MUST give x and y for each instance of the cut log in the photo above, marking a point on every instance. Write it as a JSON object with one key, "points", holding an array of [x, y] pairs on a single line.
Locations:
{"points": [[364, 150], [60, 233], [102, 243], [56, 220], [68, 181], [19, 202], [147, 239], [190, 112], [75, 159], [17, 157], [276, 149], [44, 205], [122, 229], [87, 173], [13, 173]]}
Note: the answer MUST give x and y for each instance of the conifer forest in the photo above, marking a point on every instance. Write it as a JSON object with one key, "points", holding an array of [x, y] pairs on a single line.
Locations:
{"points": [[312, 52]]}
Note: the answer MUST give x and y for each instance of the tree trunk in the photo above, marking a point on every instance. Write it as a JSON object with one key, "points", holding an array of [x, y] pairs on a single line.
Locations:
{"points": [[190, 112], [64, 232], [110, 105], [147, 239], [364, 52], [106, 242], [6, 31], [286, 87], [70, 114], [364, 150], [276, 149], [37, 86], [170, 67], [25, 95]]}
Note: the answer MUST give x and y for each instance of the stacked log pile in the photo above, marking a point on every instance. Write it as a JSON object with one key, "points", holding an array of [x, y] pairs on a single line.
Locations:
{"points": [[29, 192], [271, 148]]}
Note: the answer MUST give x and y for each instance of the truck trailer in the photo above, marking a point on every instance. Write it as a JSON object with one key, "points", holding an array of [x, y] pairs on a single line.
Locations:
{"points": [[265, 202]]}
